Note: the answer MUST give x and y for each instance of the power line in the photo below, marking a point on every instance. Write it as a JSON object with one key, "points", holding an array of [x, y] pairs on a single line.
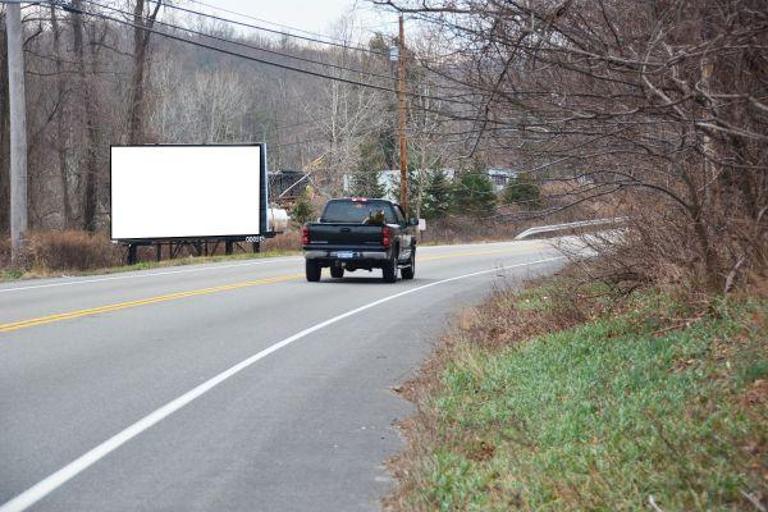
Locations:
{"points": [[270, 30], [229, 20], [224, 51], [248, 45], [246, 57], [254, 18]]}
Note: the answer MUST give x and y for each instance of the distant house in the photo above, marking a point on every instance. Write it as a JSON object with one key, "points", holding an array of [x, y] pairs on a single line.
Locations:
{"points": [[389, 179], [285, 183], [500, 177]]}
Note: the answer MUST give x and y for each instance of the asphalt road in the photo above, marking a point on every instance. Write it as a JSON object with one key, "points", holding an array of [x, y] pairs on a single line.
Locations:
{"points": [[229, 386]]}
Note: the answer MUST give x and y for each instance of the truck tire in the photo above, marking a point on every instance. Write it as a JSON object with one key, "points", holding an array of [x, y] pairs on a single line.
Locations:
{"points": [[389, 271], [337, 271], [312, 270], [410, 271]]}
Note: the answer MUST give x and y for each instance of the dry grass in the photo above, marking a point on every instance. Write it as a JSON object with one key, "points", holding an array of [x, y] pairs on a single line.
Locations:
{"points": [[70, 250], [55, 252]]}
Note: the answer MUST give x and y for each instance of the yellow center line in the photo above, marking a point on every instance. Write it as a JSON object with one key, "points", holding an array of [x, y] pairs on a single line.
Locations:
{"points": [[58, 317], [32, 322]]}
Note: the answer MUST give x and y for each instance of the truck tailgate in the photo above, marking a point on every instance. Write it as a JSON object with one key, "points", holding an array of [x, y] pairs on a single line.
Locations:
{"points": [[344, 234]]}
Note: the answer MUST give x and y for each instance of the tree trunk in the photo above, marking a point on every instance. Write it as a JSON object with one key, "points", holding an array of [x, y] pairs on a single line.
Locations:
{"points": [[87, 97], [140, 47], [61, 124]]}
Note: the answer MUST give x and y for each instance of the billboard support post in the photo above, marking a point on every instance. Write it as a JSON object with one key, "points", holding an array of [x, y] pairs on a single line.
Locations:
{"points": [[131, 254]]}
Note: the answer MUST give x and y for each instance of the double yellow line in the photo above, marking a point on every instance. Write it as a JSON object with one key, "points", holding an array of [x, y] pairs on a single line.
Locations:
{"points": [[33, 322]]}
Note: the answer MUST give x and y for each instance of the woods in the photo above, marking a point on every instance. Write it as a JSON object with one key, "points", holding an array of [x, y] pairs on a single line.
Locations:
{"points": [[655, 111], [659, 106]]}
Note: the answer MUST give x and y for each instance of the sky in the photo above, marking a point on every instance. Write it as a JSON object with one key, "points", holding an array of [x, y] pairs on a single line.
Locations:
{"points": [[312, 15]]}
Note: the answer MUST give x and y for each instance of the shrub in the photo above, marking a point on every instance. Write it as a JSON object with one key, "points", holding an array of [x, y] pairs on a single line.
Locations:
{"points": [[303, 210], [475, 195], [523, 191], [438, 196], [71, 250]]}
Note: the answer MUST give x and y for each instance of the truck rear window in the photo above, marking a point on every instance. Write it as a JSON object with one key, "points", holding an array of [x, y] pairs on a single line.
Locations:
{"points": [[356, 212]]}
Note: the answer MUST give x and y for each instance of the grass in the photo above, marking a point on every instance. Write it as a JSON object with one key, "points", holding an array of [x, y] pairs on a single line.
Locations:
{"points": [[15, 274], [652, 401]]}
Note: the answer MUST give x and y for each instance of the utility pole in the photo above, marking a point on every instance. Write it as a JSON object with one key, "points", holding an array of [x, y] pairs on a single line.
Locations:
{"points": [[401, 120], [18, 129]]}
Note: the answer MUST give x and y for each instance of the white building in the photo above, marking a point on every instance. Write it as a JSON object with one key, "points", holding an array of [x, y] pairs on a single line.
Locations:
{"points": [[389, 179]]}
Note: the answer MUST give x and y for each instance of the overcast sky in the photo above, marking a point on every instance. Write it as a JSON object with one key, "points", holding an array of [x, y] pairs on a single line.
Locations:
{"points": [[312, 15]]}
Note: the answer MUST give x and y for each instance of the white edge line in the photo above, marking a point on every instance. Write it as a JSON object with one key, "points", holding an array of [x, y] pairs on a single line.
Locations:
{"points": [[210, 266], [130, 275], [52, 482]]}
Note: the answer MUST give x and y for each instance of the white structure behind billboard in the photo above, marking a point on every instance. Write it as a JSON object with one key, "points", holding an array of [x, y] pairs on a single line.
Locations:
{"points": [[161, 192]]}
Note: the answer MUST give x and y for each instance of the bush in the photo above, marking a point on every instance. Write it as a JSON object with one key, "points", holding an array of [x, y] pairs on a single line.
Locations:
{"points": [[475, 195], [438, 196], [71, 250], [524, 192], [303, 211], [287, 241]]}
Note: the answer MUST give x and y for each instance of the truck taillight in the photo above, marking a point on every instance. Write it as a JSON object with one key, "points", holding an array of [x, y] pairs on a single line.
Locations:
{"points": [[305, 235], [386, 236]]}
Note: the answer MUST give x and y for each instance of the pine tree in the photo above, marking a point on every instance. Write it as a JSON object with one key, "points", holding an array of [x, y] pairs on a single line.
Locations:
{"points": [[438, 196], [365, 182], [475, 194], [303, 211], [523, 191]]}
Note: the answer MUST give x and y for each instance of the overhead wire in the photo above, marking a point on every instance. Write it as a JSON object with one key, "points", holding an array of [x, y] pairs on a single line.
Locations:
{"points": [[70, 8], [262, 20], [270, 30], [256, 27], [223, 50], [247, 45]]}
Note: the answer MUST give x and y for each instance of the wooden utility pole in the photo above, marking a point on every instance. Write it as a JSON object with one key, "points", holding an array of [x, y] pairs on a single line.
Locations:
{"points": [[401, 120], [18, 129]]}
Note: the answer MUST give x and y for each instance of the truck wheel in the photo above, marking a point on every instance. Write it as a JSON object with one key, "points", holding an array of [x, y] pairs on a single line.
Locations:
{"points": [[409, 271], [389, 271], [337, 271], [312, 270]]}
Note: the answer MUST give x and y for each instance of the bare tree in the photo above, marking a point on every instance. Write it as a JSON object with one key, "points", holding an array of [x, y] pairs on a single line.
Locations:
{"points": [[141, 38], [660, 105]]}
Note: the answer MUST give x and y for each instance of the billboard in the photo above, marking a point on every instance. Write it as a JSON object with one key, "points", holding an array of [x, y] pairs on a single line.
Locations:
{"points": [[161, 192]]}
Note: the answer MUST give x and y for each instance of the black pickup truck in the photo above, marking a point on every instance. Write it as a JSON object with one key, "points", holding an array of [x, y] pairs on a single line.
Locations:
{"points": [[359, 233]]}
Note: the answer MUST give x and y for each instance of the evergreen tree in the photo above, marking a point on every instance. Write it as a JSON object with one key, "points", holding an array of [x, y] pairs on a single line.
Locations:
{"points": [[475, 194], [438, 196], [303, 211], [523, 191], [413, 192], [366, 181]]}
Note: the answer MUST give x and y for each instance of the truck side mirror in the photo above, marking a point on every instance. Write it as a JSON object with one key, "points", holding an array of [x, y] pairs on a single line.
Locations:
{"points": [[413, 222]]}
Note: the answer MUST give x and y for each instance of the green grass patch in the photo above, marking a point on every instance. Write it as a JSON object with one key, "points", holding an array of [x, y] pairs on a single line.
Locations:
{"points": [[601, 416]]}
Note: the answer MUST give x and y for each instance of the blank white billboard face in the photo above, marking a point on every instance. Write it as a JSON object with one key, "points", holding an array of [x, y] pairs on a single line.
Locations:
{"points": [[185, 191]]}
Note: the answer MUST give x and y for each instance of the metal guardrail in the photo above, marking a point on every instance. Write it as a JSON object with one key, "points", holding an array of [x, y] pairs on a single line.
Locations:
{"points": [[569, 225]]}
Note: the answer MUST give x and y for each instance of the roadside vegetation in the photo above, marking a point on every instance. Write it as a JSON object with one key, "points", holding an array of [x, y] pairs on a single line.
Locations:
{"points": [[572, 395], [53, 254]]}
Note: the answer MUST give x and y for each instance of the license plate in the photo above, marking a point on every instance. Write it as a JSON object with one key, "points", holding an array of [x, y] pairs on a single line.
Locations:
{"points": [[345, 255]]}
